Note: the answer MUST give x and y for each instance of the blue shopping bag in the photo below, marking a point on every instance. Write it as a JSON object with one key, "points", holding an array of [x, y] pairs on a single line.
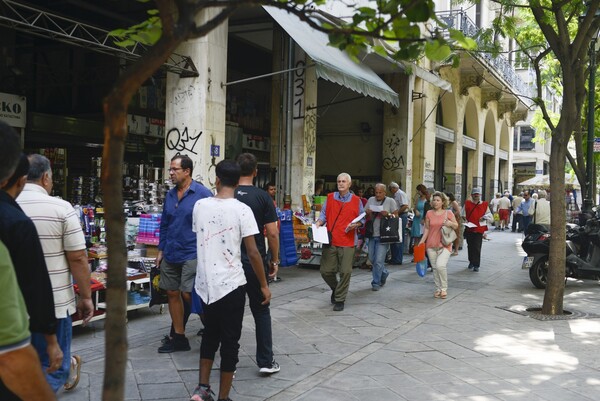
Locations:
{"points": [[422, 268]]}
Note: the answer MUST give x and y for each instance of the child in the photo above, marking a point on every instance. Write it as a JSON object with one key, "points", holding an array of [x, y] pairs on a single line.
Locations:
{"points": [[221, 223]]}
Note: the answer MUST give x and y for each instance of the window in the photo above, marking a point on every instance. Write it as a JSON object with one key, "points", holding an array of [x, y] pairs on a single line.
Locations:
{"points": [[527, 135], [521, 61]]}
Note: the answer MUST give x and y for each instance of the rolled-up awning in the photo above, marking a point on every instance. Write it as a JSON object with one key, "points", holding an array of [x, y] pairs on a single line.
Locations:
{"points": [[331, 63]]}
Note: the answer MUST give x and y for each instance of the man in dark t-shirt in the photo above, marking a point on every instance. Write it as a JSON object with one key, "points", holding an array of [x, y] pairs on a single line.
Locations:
{"points": [[266, 218]]}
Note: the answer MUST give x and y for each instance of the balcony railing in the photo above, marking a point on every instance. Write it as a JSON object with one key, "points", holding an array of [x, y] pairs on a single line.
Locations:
{"points": [[459, 20]]}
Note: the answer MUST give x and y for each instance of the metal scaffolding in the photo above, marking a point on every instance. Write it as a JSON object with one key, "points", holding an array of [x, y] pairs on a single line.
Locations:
{"points": [[51, 26]]}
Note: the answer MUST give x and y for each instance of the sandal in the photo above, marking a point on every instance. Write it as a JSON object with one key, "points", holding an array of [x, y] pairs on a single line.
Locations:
{"points": [[454, 253], [74, 373], [437, 294], [443, 294]]}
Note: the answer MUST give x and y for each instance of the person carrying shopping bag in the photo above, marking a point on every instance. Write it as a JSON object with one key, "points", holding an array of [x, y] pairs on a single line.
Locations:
{"points": [[437, 252]]}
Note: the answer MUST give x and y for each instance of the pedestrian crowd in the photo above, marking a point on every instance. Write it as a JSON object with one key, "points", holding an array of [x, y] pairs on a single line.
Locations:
{"points": [[214, 251]]}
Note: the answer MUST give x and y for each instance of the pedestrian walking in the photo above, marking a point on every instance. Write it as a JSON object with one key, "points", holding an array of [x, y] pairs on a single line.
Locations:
{"points": [[402, 204], [517, 222], [378, 207], [524, 209], [222, 224], [65, 253], [265, 215], [177, 253], [437, 252], [476, 214], [338, 212], [21, 374]]}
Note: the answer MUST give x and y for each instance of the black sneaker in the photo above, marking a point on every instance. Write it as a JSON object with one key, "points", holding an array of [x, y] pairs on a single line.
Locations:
{"points": [[176, 344], [476, 269], [338, 307], [166, 339], [274, 368]]}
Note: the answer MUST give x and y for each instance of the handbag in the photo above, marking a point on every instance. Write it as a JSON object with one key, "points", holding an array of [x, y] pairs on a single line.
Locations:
{"points": [[388, 230], [448, 234]]}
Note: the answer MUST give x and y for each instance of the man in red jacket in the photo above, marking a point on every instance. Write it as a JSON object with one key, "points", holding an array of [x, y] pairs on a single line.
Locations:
{"points": [[338, 212], [475, 213]]}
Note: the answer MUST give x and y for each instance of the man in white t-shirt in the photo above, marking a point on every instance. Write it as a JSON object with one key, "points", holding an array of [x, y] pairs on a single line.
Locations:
{"points": [[494, 203], [221, 224]]}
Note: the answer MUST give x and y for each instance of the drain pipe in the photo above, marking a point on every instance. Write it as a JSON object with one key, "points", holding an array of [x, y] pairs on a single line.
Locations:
{"points": [[287, 202]]}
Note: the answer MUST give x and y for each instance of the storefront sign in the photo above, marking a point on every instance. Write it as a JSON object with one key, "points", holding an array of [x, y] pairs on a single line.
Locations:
{"points": [[13, 110], [146, 126], [596, 145]]}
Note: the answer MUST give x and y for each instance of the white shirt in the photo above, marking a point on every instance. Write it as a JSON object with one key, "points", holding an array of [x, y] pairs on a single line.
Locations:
{"points": [[220, 226], [401, 198], [59, 229]]}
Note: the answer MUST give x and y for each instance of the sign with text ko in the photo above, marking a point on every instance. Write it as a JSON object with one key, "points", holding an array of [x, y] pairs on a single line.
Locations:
{"points": [[596, 145], [13, 109]]}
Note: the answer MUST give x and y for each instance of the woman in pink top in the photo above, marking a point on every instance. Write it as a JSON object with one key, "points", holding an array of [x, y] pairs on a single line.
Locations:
{"points": [[437, 252]]}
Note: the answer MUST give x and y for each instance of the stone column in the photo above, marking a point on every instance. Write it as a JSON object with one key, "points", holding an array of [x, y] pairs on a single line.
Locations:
{"points": [[301, 179], [397, 131], [195, 110]]}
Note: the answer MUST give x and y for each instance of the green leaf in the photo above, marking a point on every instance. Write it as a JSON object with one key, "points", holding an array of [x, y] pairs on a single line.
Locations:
{"points": [[437, 51], [125, 43], [380, 50], [420, 12], [367, 12], [461, 40]]}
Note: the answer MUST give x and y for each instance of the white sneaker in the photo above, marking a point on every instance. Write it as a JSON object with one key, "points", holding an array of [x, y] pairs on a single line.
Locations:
{"points": [[274, 368]]}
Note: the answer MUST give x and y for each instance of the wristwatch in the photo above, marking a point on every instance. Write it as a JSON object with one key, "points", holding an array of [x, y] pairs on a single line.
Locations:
{"points": [[275, 263]]}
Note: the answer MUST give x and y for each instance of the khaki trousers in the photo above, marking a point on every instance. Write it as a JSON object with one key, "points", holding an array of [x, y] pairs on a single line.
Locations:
{"points": [[337, 260]]}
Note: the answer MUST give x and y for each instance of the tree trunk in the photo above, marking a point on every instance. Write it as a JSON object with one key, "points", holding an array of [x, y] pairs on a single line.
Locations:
{"points": [[555, 288], [115, 135]]}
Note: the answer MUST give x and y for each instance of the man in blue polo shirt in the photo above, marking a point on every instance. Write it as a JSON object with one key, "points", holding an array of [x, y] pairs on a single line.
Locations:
{"points": [[177, 255]]}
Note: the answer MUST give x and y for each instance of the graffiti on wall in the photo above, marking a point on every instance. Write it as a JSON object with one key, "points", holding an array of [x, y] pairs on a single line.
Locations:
{"points": [[310, 134], [212, 174], [182, 141], [182, 97], [393, 160], [299, 79]]}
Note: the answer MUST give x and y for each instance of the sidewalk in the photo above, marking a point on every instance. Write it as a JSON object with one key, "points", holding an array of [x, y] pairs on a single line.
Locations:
{"points": [[395, 344]]}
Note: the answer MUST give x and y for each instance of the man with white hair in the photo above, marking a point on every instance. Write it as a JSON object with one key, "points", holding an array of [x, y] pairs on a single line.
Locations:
{"points": [[402, 203], [338, 212], [504, 211], [540, 209], [494, 208]]}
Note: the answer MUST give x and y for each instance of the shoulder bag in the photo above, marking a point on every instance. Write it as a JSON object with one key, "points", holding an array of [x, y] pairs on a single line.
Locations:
{"points": [[448, 233], [369, 225], [389, 230]]}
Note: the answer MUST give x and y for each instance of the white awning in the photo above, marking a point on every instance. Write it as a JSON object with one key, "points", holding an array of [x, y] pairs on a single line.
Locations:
{"points": [[333, 64]]}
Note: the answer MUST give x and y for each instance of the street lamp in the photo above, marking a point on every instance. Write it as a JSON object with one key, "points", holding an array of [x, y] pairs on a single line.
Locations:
{"points": [[588, 201]]}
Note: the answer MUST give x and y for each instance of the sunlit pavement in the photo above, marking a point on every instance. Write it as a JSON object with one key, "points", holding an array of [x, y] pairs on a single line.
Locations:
{"points": [[399, 343]]}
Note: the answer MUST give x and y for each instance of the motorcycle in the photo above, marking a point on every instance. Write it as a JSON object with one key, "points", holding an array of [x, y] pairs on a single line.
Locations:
{"points": [[582, 252]]}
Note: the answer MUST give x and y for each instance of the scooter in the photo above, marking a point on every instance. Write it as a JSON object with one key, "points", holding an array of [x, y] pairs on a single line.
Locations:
{"points": [[582, 252]]}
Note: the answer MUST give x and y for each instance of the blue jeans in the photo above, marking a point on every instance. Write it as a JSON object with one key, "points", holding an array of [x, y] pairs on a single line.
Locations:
{"points": [[262, 319], [64, 333], [397, 248], [377, 252], [526, 221]]}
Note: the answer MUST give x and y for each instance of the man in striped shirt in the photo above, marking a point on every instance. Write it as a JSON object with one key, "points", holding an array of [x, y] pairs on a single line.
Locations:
{"points": [[64, 249]]}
